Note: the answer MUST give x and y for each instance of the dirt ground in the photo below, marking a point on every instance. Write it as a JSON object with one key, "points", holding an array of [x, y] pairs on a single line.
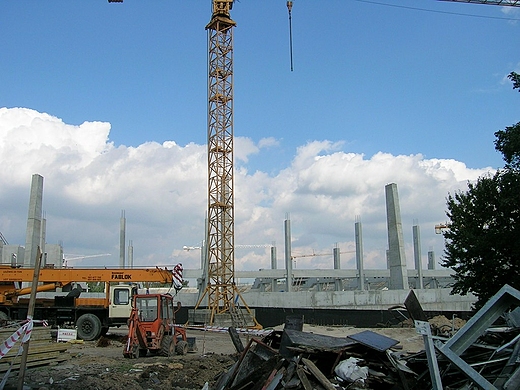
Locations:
{"points": [[91, 366]]}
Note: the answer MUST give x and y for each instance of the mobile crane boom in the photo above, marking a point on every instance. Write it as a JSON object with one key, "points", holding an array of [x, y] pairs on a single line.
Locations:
{"points": [[52, 278], [92, 316]]}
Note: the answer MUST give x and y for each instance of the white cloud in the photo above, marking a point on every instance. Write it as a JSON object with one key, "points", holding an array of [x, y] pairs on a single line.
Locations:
{"points": [[163, 190]]}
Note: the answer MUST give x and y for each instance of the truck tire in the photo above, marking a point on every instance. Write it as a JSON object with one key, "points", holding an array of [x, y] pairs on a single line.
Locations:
{"points": [[181, 348], [89, 327], [167, 346]]}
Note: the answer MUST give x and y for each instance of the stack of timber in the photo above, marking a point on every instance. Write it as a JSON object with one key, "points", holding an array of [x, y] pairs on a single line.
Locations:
{"points": [[43, 349]]}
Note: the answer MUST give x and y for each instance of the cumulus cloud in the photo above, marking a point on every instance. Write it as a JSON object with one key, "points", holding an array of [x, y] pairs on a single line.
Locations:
{"points": [[163, 190]]}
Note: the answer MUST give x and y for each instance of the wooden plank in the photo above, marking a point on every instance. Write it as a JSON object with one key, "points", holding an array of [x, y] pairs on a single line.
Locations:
{"points": [[37, 363], [40, 356], [318, 374], [36, 348], [303, 378], [36, 334]]}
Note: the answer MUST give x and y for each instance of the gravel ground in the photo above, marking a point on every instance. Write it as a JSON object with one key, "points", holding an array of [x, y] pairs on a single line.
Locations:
{"points": [[91, 366]]}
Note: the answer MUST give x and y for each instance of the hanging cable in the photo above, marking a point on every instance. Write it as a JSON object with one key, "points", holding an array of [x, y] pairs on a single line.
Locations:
{"points": [[289, 8]]}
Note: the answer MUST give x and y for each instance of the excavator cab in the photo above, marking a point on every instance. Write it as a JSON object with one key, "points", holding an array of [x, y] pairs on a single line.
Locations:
{"points": [[152, 328]]}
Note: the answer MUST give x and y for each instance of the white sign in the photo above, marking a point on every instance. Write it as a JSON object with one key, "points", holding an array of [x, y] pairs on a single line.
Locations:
{"points": [[67, 334]]}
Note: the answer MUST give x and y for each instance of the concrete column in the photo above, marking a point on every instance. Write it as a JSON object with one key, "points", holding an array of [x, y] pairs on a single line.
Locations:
{"points": [[396, 255], [288, 257], [274, 281], [34, 221], [42, 242], [416, 232], [122, 239], [130, 254], [359, 254], [431, 260], [336, 255]]}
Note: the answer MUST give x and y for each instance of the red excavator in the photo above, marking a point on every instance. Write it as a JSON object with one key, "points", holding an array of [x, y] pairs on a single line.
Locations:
{"points": [[152, 327]]}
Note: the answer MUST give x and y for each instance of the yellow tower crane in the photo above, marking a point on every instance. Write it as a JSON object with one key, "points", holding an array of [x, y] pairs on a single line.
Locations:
{"points": [[222, 292]]}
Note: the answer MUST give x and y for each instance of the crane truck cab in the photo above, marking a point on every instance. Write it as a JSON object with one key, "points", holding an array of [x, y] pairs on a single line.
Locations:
{"points": [[152, 328]]}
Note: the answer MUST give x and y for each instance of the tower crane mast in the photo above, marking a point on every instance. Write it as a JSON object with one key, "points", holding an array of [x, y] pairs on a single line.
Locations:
{"points": [[221, 289]]}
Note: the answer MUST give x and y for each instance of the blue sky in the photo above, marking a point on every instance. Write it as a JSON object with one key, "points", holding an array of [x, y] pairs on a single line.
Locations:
{"points": [[426, 79], [404, 78]]}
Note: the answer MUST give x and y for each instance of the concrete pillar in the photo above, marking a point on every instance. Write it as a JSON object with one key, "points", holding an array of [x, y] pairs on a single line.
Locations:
{"points": [[336, 255], [431, 260], [42, 242], [396, 255], [359, 255], [416, 232], [274, 281], [288, 256], [34, 221], [130, 254], [122, 239]]}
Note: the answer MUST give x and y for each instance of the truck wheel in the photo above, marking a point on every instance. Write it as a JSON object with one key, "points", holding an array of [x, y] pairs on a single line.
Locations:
{"points": [[167, 346], [89, 327], [182, 347]]}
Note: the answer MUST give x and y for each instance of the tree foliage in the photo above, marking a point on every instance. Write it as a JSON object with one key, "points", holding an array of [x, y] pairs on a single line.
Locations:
{"points": [[483, 239], [515, 78], [507, 142], [482, 243]]}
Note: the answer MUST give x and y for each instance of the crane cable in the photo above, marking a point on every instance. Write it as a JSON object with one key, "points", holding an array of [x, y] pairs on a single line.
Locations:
{"points": [[289, 8]]}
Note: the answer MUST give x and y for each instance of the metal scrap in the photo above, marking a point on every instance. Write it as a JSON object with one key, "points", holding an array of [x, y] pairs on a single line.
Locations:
{"points": [[484, 353]]}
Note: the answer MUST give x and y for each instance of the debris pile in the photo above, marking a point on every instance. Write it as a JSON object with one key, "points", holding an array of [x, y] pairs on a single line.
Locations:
{"points": [[482, 353], [292, 359]]}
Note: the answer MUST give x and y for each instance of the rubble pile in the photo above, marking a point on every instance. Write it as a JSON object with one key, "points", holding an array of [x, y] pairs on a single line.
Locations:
{"points": [[481, 353], [292, 359]]}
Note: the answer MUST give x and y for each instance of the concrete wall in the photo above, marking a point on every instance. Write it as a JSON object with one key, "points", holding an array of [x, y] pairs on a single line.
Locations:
{"points": [[9, 250], [430, 299]]}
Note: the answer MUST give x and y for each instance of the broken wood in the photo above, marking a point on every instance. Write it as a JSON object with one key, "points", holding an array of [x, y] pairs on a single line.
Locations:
{"points": [[303, 378], [318, 374]]}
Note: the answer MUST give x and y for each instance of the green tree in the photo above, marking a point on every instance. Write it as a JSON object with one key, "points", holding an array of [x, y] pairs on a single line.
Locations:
{"points": [[483, 239], [482, 242], [507, 142], [515, 78]]}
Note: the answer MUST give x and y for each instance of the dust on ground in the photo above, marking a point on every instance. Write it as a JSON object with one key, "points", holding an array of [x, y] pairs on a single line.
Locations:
{"points": [[91, 366]]}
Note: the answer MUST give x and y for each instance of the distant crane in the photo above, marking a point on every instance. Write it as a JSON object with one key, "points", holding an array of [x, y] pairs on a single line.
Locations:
{"points": [[439, 228], [76, 257]]}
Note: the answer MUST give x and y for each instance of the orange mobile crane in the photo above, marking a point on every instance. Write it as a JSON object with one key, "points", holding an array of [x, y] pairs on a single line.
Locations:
{"points": [[91, 316]]}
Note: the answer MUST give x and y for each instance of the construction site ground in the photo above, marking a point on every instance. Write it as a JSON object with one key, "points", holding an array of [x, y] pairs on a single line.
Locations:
{"points": [[100, 364]]}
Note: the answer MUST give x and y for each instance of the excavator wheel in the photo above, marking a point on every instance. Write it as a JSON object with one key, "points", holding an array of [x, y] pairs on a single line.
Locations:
{"points": [[181, 348], [167, 346]]}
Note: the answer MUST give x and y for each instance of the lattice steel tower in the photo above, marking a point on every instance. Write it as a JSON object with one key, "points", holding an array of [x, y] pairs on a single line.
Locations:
{"points": [[221, 289]]}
